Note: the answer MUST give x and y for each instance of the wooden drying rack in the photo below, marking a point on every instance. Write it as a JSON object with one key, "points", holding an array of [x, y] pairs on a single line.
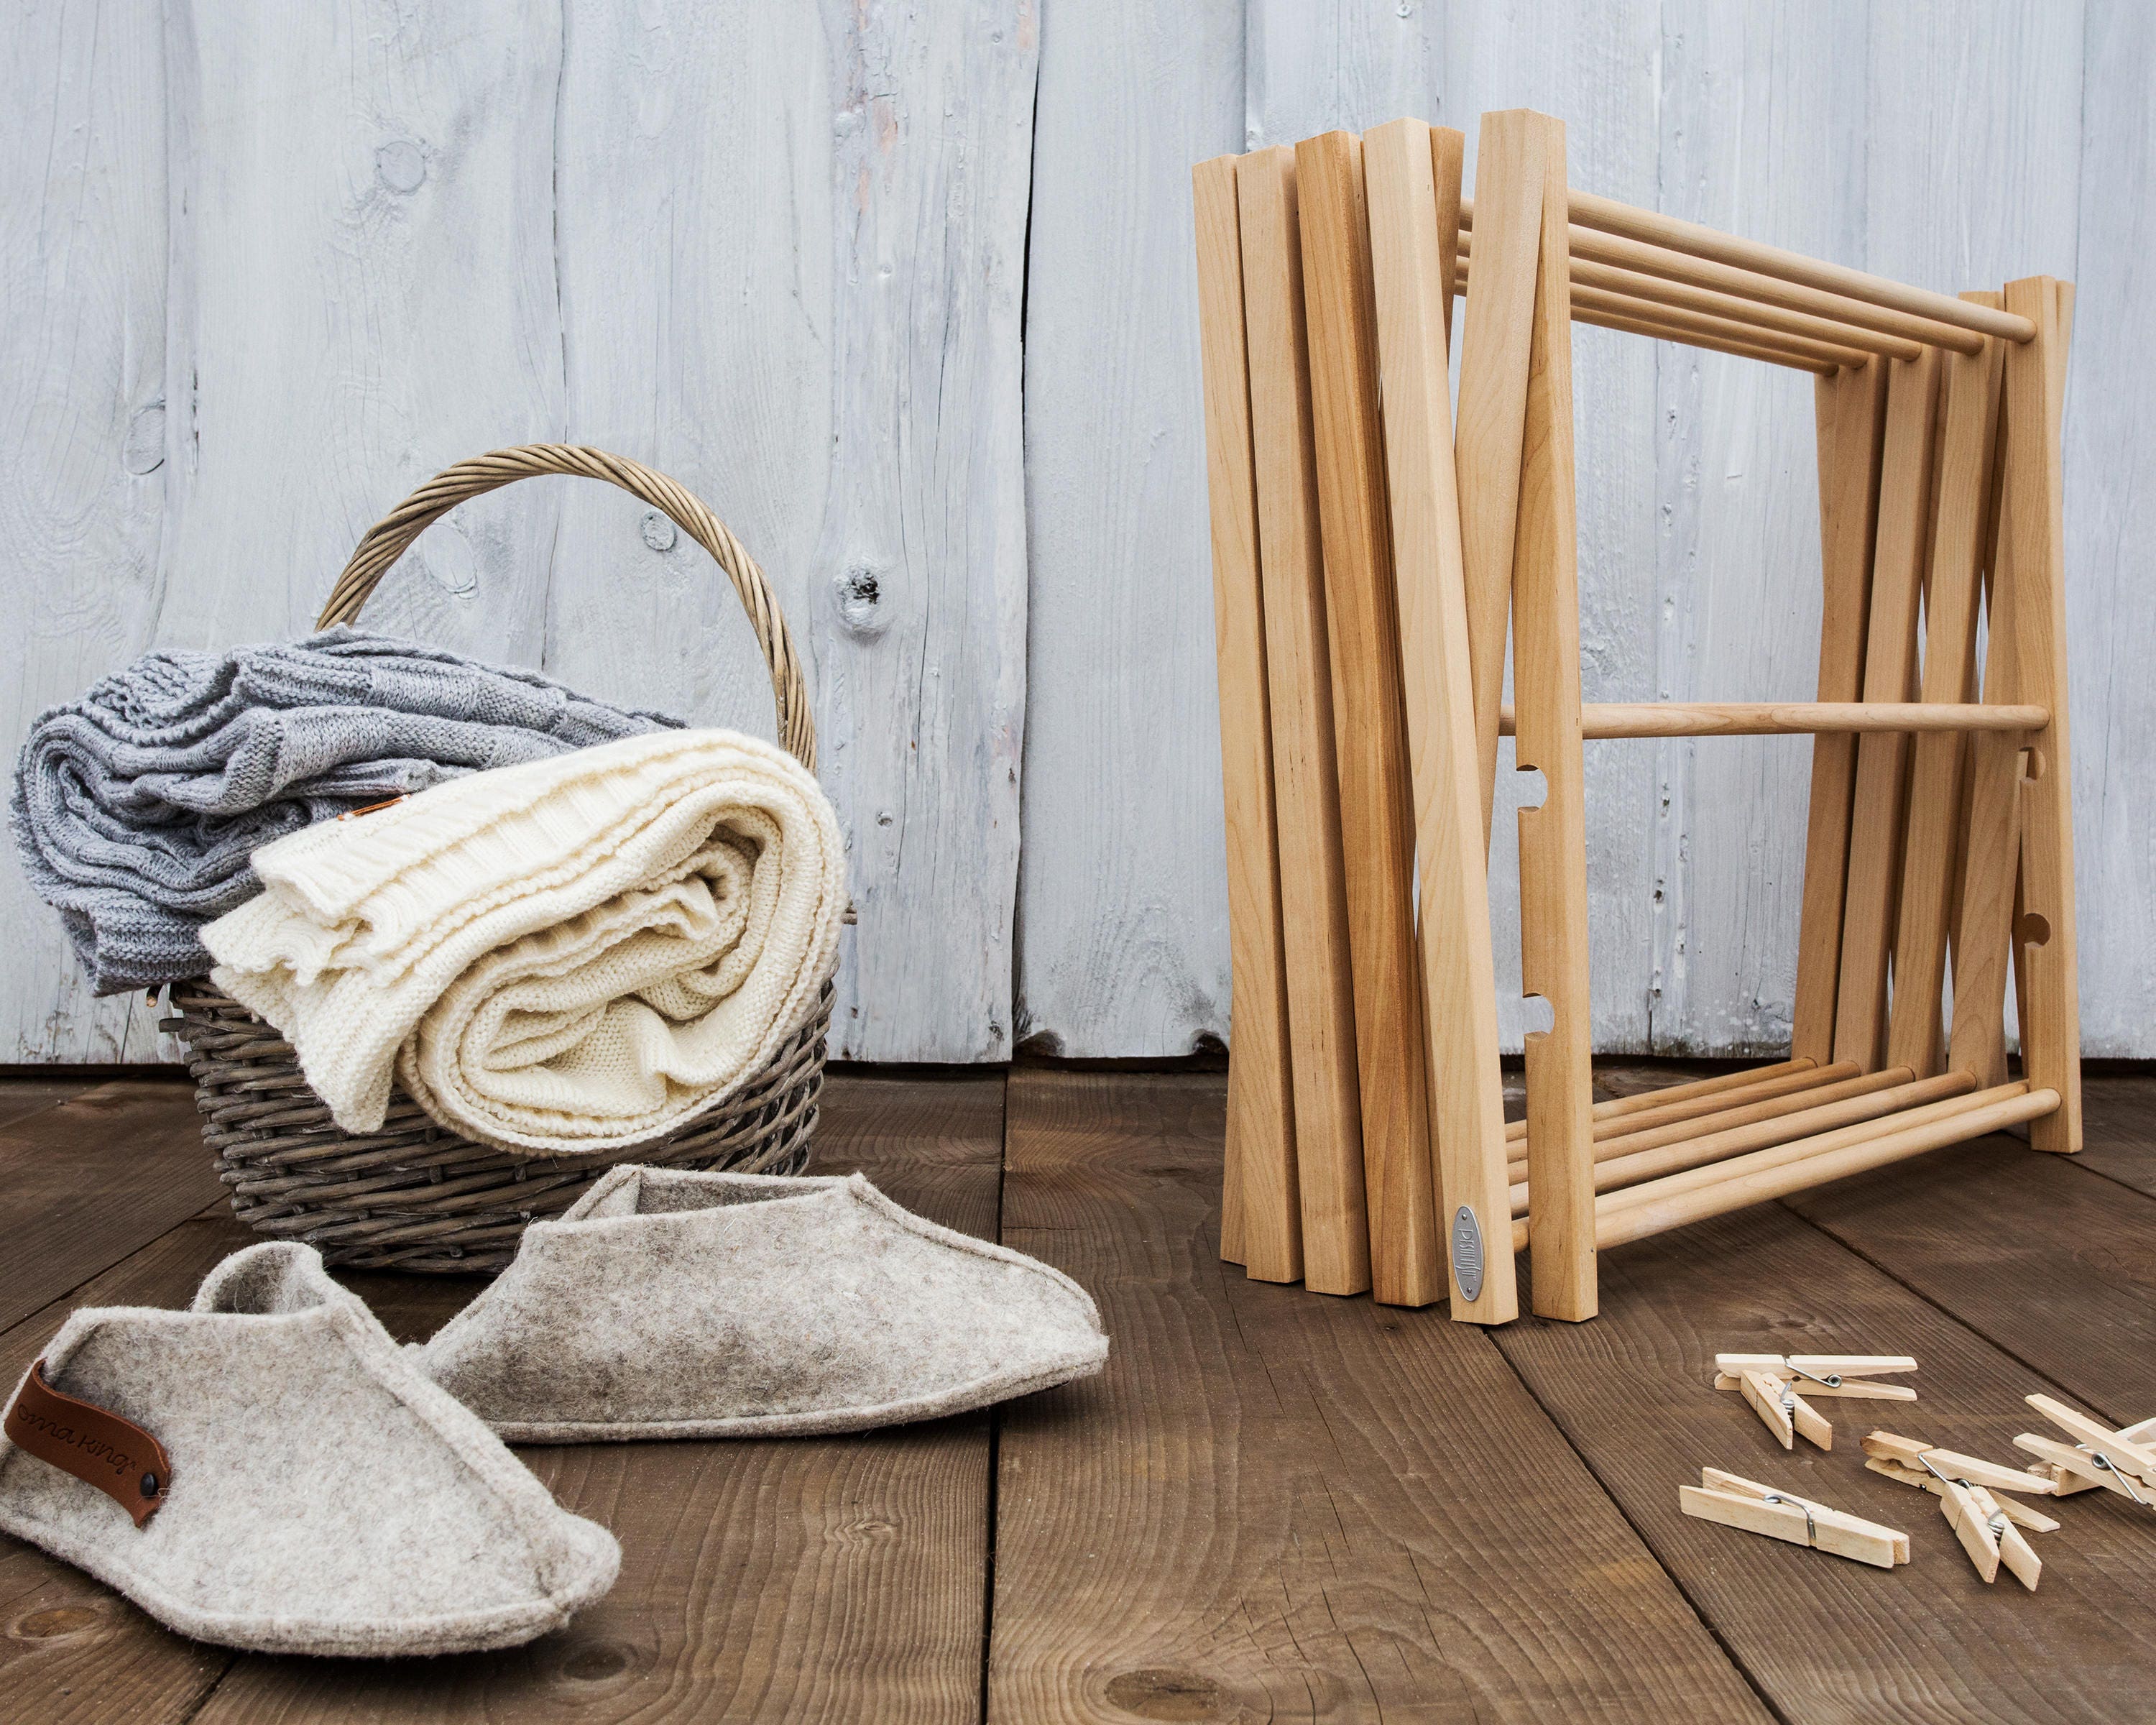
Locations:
{"points": [[1368, 565]]}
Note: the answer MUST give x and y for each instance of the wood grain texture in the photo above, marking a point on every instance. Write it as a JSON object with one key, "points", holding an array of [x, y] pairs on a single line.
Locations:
{"points": [[1822, 1640], [773, 1579], [1932, 842], [2066, 1285], [83, 426], [1369, 721], [1126, 917], [1850, 414], [1553, 835], [84, 1184], [1260, 1213], [1878, 811], [2047, 985], [1321, 994], [404, 185], [1413, 174], [1254, 1511]]}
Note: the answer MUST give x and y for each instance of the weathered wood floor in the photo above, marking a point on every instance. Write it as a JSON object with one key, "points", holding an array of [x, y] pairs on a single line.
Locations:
{"points": [[1273, 1506]]}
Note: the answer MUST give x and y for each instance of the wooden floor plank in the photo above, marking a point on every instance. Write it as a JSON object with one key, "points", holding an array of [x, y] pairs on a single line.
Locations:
{"points": [[1825, 1640], [2118, 1120], [88, 1181], [2054, 1263], [21, 1097], [838, 1579], [1279, 1506]]}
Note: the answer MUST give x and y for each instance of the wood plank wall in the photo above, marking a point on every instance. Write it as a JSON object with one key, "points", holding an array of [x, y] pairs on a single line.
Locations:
{"points": [[907, 295]]}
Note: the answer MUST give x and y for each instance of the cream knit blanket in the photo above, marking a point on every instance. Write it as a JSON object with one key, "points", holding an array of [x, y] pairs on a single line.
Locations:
{"points": [[572, 955]]}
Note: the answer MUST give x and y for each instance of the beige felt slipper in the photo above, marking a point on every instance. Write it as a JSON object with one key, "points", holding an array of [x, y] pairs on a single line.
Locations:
{"points": [[670, 1304], [269, 1469]]}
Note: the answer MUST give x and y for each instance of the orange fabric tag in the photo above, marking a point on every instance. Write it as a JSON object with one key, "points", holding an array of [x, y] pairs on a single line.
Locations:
{"points": [[92, 1443]]}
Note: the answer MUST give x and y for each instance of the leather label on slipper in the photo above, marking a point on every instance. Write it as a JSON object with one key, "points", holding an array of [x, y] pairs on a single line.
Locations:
{"points": [[92, 1443]]}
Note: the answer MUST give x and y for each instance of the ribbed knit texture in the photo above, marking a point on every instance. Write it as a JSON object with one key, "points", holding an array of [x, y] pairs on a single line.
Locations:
{"points": [[574, 955], [136, 806]]}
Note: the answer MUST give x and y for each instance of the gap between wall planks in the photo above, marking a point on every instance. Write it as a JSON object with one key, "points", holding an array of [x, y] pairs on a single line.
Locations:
{"points": [[1260, 1214], [1377, 819], [1412, 171], [1321, 1004]]}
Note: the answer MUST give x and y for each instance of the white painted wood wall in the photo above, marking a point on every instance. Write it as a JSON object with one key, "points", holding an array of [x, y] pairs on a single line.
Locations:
{"points": [[905, 291]]}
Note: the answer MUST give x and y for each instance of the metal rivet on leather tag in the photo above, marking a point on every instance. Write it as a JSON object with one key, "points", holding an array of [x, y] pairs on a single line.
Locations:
{"points": [[1466, 1252], [149, 1485]]}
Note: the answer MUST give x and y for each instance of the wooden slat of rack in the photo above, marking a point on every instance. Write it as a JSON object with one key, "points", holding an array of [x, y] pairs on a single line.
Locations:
{"points": [[1682, 1102], [1321, 1003], [1990, 847], [1411, 170], [1650, 227], [1377, 812], [1890, 669], [1747, 1113], [1967, 463], [1851, 414], [1494, 355], [1646, 1163], [1553, 962], [2035, 385], [1604, 720], [1260, 1213]]}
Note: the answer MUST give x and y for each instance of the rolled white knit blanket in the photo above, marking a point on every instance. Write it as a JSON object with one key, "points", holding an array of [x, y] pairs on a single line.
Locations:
{"points": [[572, 955]]}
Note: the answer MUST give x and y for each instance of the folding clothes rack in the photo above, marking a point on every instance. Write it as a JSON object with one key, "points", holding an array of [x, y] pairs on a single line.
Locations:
{"points": [[1366, 566]]}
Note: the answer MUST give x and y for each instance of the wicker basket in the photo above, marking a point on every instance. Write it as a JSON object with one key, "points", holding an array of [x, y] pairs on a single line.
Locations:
{"points": [[414, 1196]]}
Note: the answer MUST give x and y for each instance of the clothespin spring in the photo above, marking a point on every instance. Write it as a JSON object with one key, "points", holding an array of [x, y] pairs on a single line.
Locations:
{"points": [[1811, 1526], [2118, 1473]]}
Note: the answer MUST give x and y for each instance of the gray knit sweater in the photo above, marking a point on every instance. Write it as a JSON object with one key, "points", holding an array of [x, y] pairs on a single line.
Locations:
{"points": [[137, 806]]}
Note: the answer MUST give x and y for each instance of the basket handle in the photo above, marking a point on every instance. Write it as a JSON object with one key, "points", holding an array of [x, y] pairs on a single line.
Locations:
{"points": [[387, 539]]}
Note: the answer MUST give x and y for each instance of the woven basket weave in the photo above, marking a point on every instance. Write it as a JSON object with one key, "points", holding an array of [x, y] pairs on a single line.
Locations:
{"points": [[413, 1195]]}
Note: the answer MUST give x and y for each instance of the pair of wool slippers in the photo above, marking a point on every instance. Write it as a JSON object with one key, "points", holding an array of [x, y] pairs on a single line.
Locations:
{"points": [[269, 1469]]}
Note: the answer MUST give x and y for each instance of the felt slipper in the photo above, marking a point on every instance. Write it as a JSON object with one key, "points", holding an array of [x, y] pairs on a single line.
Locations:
{"points": [[269, 1469], [672, 1304]]}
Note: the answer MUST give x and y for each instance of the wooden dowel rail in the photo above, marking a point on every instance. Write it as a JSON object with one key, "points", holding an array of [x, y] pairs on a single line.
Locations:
{"points": [[1650, 227], [1743, 1109], [1743, 1079], [1630, 1166], [1655, 292], [1606, 720], [1637, 1212], [1712, 1103], [1645, 317], [1689, 270]]}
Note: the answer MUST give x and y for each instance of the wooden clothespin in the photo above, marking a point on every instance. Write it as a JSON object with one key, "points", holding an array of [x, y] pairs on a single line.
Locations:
{"points": [[1755, 1508], [2123, 1461], [1779, 1386], [1988, 1526]]}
